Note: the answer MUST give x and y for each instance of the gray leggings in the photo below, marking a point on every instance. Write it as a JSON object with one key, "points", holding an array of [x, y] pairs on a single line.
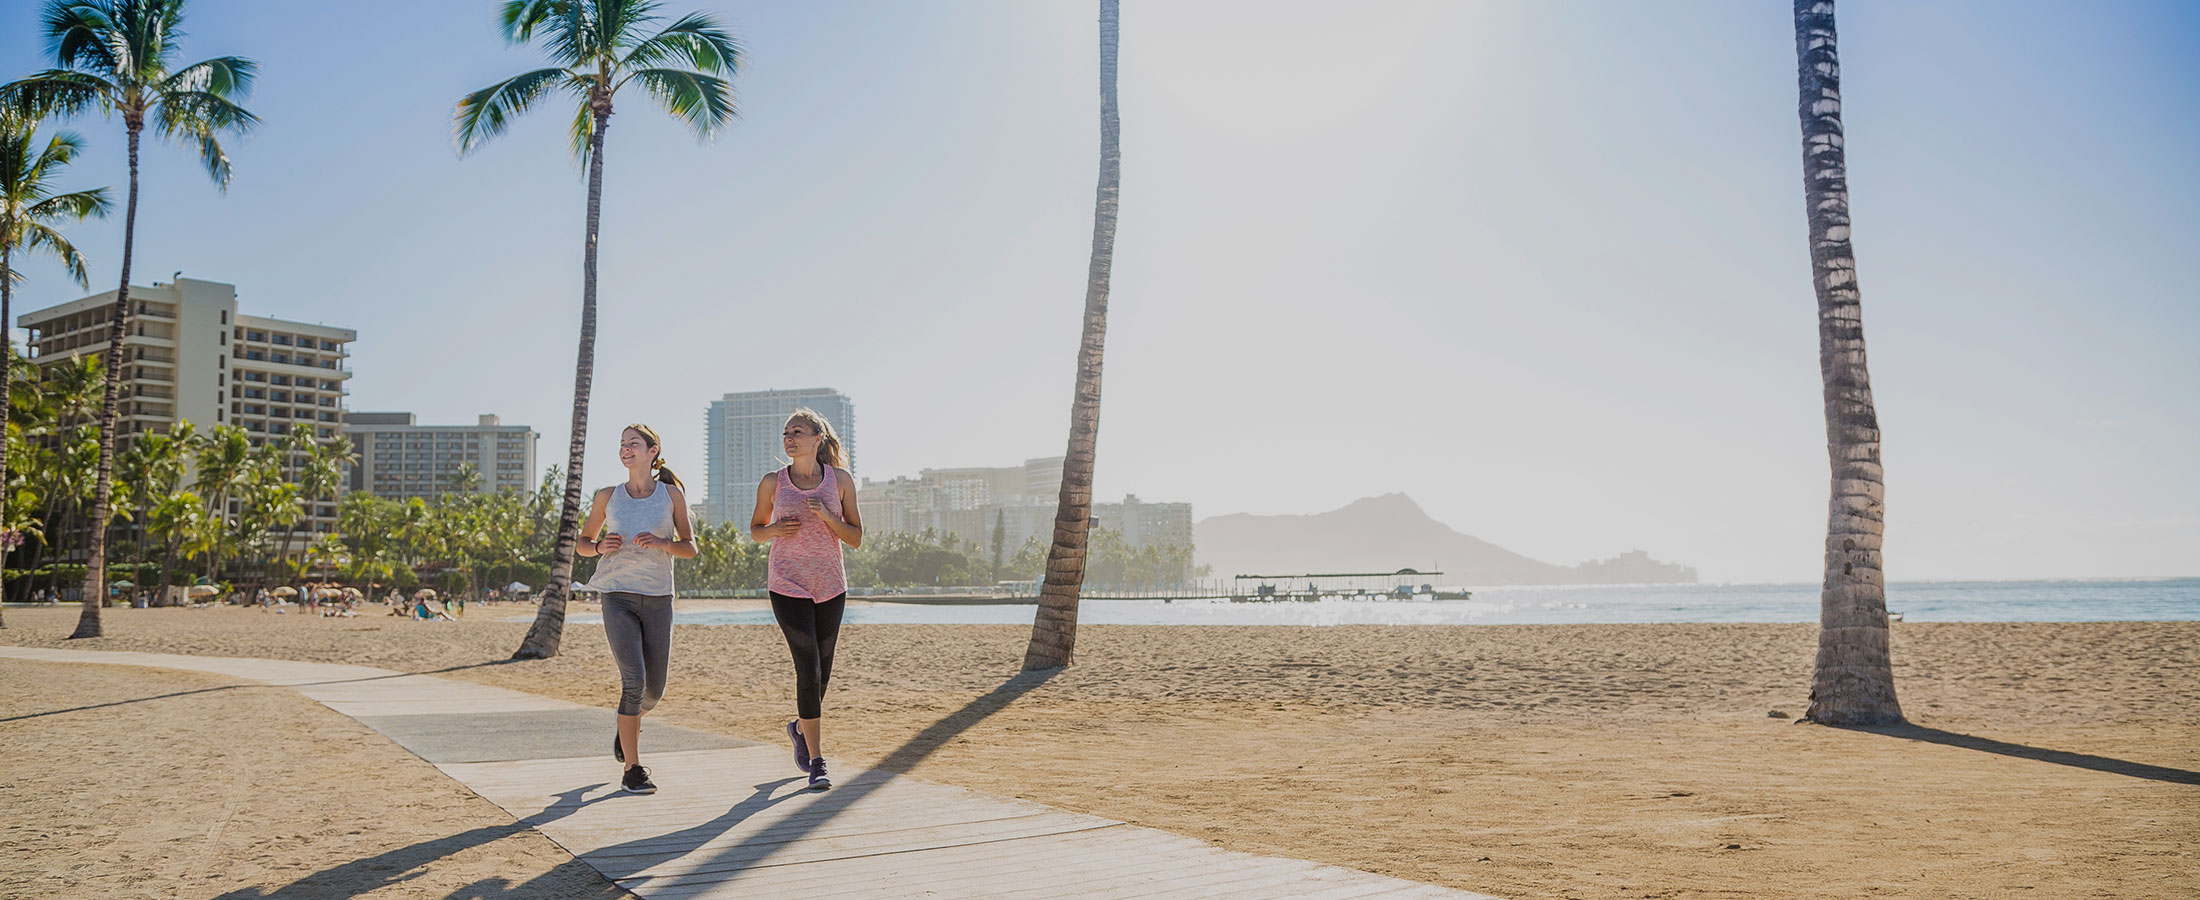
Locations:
{"points": [[639, 627]]}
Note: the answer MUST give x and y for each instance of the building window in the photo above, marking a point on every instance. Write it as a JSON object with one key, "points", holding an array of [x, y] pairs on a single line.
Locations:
{"points": [[225, 317]]}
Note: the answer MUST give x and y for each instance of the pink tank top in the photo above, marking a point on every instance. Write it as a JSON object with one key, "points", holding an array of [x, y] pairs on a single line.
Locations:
{"points": [[807, 563]]}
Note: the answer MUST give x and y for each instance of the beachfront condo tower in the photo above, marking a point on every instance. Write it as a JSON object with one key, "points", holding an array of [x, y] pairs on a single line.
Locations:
{"points": [[401, 458], [190, 356], [742, 435]]}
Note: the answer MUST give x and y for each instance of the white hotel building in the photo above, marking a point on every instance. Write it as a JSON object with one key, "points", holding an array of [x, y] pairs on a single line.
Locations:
{"points": [[190, 356]]}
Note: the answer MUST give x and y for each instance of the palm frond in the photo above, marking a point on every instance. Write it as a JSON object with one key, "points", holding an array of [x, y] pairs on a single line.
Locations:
{"points": [[195, 117], [696, 39], [58, 92], [88, 204], [222, 76], [485, 113], [579, 136], [704, 102], [77, 36], [61, 148], [619, 23], [563, 23]]}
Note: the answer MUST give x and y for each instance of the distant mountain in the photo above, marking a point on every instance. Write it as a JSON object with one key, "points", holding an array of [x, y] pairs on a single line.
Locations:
{"points": [[1390, 532]]}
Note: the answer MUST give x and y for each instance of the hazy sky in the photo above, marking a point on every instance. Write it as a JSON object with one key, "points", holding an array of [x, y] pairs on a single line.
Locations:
{"points": [[1539, 265]]}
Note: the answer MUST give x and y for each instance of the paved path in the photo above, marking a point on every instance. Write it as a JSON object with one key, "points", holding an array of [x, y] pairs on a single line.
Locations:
{"points": [[734, 820]]}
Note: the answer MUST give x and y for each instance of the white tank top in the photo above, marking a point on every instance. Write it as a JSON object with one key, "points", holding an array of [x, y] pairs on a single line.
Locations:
{"points": [[632, 568]]}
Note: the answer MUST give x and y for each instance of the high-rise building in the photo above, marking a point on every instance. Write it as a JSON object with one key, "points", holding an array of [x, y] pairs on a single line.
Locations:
{"points": [[743, 439], [190, 356], [400, 458]]}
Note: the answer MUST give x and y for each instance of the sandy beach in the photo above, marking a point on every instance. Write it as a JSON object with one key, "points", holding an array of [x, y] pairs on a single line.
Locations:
{"points": [[2045, 760]]}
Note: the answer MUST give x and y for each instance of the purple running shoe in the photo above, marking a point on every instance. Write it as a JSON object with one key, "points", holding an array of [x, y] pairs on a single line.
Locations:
{"points": [[801, 747]]}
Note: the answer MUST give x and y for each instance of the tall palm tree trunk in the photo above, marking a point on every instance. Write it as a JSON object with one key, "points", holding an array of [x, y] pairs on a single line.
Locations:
{"points": [[95, 563], [1854, 679], [7, 388], [1054, 630], [542, 637]]}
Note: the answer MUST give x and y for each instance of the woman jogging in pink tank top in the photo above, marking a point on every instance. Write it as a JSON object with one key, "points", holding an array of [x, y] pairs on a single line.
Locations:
{"points": [[807, 510]]}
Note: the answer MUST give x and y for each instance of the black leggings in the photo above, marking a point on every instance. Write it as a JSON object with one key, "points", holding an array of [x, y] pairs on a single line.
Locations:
{"points": [[811, 628]]}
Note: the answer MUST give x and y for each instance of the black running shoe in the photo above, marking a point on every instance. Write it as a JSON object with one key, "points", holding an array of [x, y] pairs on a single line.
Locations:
{"points": [[637, 781], [818, 781], [617, 752]]}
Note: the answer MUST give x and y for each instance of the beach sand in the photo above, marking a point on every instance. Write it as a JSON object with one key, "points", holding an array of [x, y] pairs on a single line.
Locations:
{"points": [[2048, 760], [155, 783]]}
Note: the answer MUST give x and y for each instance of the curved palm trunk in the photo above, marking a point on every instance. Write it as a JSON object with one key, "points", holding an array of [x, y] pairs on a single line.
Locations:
{"points": [[95, 563], [542, 637], [1854, 680], [1054, 631]]}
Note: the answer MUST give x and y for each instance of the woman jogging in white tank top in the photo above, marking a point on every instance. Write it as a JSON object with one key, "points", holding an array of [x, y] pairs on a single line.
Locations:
{"points": [[636, 529], [807, 510]]}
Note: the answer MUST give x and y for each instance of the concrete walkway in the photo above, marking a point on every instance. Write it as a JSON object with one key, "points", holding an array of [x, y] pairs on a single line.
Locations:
{"points": [[734, 819]]}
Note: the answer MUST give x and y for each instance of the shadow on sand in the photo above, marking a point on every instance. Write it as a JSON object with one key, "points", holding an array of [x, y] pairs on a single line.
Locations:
{"points": [[2021, 751], [234, 687], [396, 866]]}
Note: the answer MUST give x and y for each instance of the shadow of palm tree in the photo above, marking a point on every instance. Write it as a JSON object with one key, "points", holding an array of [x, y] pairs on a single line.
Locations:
{"points": [[232, 687], [757, 850], [2021, 751], [372, 873]]}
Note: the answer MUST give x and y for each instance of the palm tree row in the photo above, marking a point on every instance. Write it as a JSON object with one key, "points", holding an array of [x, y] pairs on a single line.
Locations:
{"points": [[236, 505]]}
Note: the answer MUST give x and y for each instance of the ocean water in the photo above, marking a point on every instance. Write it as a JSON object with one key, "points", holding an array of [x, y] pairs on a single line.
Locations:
{"points": [[1927, 601]]}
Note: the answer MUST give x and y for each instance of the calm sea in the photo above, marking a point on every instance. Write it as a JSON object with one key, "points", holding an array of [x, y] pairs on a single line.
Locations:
{"points": [[1928, 601]]}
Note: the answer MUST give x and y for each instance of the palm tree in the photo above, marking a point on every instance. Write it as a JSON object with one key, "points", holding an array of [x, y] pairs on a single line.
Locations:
{"points": [[224, 462], [597, 47], [118, 55], [30, 216], [1054, 630], [175, 519], [1853, 683]]}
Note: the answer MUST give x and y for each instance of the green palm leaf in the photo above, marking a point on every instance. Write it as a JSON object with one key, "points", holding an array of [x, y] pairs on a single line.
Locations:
{"points": [[703, 102], [485, 113]]}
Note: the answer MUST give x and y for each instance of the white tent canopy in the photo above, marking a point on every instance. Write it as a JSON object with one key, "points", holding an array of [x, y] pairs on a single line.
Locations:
{"points": [[517, 587]]}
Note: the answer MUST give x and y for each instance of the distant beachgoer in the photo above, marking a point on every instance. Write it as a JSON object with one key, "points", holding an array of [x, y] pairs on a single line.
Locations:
{"points": [[638, 527], [807, 510]]}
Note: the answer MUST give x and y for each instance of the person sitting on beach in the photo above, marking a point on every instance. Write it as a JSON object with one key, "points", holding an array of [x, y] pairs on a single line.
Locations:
{"points": [[635, 529]]}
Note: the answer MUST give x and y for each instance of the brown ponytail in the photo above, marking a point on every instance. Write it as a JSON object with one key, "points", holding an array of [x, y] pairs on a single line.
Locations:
{"points": [[829, 452], [657, 466]]}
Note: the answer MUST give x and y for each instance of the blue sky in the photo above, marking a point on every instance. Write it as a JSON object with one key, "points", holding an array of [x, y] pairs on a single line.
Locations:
{"points": [[1540, 266]]}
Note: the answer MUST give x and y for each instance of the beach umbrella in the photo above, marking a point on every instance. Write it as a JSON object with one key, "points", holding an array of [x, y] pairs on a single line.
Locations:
{"points": [[518, 587], [122, 584], [424, 594], [327, 593], [203, 590], [284, 591], [353, 593]]}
